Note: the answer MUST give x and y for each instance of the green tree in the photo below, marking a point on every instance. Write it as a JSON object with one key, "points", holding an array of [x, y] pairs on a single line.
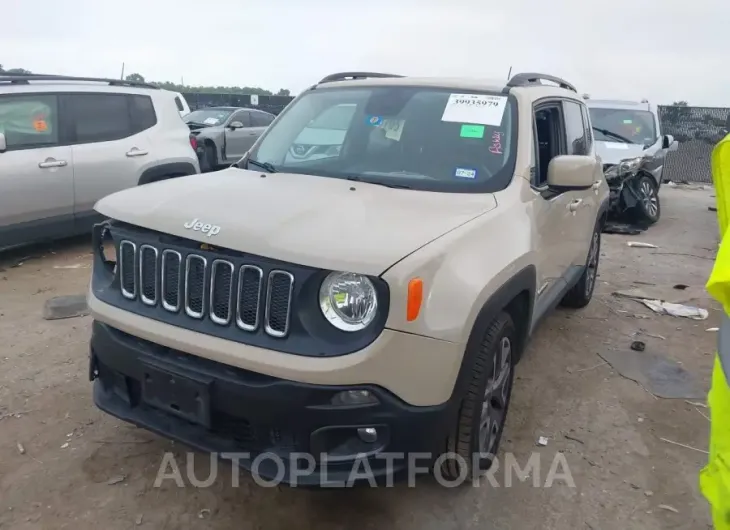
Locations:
{"points": [[134, 78], [283, 92], [14, 71]]}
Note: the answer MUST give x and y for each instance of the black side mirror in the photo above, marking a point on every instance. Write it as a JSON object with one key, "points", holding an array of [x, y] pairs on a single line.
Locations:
{"points": [[667, 141]]}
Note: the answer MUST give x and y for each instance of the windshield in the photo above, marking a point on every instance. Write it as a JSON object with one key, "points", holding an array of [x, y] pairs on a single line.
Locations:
{"points": [[208, 116], [634, 125], [421, 138]]}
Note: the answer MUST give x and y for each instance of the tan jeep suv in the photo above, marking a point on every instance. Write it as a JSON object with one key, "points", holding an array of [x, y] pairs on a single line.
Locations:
{"points": [[361, 285]]}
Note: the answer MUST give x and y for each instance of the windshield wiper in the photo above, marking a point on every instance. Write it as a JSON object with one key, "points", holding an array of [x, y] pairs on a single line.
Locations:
{"points": [[386, 184], [606, 132], [263, 165]]}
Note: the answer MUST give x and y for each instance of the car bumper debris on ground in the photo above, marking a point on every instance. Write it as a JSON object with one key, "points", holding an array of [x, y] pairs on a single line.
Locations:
{"points": [[583, 391]]}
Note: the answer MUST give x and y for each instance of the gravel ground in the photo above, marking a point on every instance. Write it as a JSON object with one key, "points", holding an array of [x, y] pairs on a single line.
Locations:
{"points": [[80, 469]]}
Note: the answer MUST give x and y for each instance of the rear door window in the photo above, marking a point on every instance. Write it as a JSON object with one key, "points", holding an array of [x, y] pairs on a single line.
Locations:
{"points": [[142, 113], [179, 104], [575, 129], [100, 117], [29, 121], [260, 119], [243, 116]]}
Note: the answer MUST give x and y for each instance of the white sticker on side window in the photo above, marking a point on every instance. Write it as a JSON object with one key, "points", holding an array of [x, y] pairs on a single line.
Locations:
{"points": [[465, 173], [480, 109]]}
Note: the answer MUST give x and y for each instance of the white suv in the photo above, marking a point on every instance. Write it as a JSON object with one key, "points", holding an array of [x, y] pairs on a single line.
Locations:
{"points": [[66, 142]]}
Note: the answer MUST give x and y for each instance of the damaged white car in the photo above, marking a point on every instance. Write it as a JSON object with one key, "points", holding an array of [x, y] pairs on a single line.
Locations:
{"points": [[633, 150]]}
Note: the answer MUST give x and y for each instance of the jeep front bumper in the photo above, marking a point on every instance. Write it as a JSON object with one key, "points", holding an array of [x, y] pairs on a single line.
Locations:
{"points": [[214, 407]]}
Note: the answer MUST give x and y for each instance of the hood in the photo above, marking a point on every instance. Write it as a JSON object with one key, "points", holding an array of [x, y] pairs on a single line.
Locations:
{"points": [[316, 221], [204, 129], [615, 152]]}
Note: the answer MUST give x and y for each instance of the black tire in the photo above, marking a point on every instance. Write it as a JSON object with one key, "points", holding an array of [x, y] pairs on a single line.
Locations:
{"points": [[495, 360], [649, 208], [582, 292], [210, 158]]}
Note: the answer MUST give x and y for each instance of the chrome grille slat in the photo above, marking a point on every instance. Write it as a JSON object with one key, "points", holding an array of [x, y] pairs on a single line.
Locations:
{"points": [[250, 282], [221, 278], [177, 281], [279, 288], [148, 275], [170, 285], [195, 269], [128, 278]]}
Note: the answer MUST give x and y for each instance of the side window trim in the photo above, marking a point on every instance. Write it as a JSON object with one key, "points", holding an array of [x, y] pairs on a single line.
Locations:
{"points": [[587, 128]]}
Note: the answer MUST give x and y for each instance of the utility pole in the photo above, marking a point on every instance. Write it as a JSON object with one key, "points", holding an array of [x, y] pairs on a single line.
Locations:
{"points": [[122, 76], [509, 74]]}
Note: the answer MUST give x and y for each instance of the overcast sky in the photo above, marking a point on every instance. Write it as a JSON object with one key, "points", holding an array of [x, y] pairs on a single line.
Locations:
{"points": [[664, 50]]}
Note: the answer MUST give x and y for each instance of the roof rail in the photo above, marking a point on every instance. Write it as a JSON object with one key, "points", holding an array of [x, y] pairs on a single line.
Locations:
{"points": [[22, 79], [343, 76], [530, 78]]}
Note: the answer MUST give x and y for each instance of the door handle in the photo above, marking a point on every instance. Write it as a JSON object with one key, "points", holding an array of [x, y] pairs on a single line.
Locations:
{"points": [[136, 152], [597, 184], [52, 162], [574, 205]]}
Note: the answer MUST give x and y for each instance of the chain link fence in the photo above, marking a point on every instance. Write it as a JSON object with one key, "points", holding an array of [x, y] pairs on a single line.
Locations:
{"points": [[272, 104], [697, 129]]}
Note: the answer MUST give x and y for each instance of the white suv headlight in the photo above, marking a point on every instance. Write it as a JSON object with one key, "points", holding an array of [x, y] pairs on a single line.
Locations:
{"points": [[348, 301]]}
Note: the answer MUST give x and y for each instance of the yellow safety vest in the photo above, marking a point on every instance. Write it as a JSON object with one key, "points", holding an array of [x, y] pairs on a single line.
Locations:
{"points": [[715, 477]]}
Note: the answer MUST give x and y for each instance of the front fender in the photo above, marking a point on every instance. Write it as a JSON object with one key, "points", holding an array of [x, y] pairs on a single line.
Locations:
{"points": [[462, 271]]}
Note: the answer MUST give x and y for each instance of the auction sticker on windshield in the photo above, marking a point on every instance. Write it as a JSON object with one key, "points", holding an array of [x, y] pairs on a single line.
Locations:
{"points": [[480, 109]]}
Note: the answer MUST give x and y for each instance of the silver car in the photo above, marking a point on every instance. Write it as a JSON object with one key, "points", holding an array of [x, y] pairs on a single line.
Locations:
{"points": [[224, 134]]}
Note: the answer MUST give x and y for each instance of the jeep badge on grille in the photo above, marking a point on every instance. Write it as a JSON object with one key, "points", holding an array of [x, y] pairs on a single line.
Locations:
{"points": [[199, 226]]}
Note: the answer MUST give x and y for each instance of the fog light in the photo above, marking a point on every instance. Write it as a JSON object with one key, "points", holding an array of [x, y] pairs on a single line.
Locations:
{"points": [[350, 398], [368, 434]]}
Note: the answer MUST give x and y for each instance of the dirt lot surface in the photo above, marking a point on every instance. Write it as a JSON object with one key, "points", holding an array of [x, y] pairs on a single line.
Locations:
{"points": [[81, 469]]}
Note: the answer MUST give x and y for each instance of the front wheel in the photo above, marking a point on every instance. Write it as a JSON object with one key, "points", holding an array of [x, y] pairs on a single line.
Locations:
{"points": [[649, 207], [483, 412]]}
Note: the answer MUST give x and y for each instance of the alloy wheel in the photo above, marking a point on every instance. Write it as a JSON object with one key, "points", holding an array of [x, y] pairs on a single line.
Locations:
{"points": [[649, 198], [496, 395]]}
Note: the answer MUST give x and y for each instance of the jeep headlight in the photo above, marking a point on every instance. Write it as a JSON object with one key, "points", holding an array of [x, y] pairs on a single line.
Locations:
{"points": [[630, 165], [348, 300]]}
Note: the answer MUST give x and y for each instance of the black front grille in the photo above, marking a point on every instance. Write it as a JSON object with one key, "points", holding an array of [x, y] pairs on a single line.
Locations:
{"points": [[127, 254], [195, 285], [221, 292], [171, 275], [249, 297], [277, 303], [200, 288], [148, 274]]}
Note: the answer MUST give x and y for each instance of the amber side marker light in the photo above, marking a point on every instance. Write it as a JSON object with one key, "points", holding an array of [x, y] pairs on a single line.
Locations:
{"points": [[415, 298]]}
